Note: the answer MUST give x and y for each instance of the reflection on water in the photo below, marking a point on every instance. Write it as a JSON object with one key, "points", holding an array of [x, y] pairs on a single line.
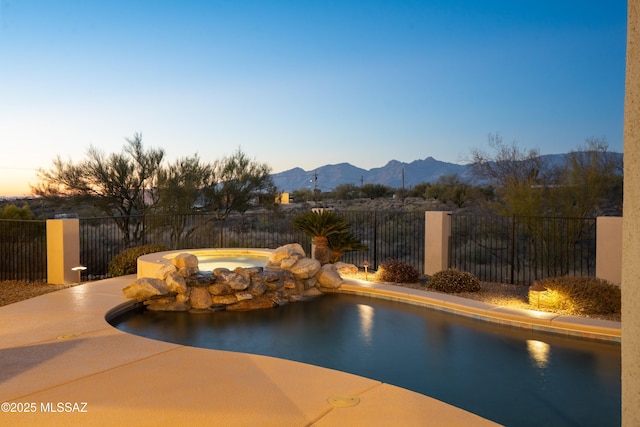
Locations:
{"points": [[539, 352], [366, 321], [504, 374]]}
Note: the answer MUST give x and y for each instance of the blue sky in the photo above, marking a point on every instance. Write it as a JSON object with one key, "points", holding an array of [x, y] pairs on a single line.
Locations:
{"points": [[305, 83]]}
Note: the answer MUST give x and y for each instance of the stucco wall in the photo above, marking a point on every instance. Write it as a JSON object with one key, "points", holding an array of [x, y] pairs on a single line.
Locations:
{"points": [[609, 249], [631, 226]]}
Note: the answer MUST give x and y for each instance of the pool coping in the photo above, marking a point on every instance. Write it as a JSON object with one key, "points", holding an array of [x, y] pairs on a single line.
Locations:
{"points": [[575, 326]]}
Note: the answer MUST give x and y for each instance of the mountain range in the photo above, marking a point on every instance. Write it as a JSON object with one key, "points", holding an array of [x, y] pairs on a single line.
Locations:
{"points": [[327, 177], [394, 174]]}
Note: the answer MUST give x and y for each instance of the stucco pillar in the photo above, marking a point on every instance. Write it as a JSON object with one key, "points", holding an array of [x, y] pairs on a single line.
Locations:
{"points": [[437, 230], [609, 248], [63, 250], [631, 226]]}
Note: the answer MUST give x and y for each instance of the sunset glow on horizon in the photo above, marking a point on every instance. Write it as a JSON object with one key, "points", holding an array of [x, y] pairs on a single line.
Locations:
{"points": [[305, 84]]}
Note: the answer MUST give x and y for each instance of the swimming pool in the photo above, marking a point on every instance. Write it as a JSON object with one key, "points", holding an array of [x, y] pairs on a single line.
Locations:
{"points": [[512, 376]]}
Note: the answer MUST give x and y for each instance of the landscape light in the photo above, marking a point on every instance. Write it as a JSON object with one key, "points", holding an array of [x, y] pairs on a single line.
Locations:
{"points": [[537, 288], [79, 269], [365, 264]]}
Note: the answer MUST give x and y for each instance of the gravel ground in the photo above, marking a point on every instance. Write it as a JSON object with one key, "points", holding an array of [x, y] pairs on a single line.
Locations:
{"points": [[13, 291], [493, 293]]}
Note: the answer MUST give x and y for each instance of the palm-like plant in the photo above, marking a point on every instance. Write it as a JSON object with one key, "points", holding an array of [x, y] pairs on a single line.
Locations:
{"points": [[344, 242], [320, 225]]}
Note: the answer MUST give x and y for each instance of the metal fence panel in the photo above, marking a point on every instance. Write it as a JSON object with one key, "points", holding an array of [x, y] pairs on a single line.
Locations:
{"points": [[522, 249], [23, 250]]}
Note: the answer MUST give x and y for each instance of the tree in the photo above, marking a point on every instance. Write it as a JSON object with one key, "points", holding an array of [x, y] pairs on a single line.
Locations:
{"points": [[236, 183], [302, 195], [346, 192], [517, 174], [120, 185], [589, 182], [509, 166], [11, 211], [582, 184], [180, 190], [180, 185], [376, 191], [450, 189]]}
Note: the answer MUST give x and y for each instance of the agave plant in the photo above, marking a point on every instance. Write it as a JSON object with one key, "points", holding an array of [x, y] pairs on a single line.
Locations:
{"points": [[344, 242], [320, 225]]}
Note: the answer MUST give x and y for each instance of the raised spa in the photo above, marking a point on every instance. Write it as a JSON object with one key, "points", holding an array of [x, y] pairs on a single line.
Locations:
{"points": [[208, 259], [513, 376]]}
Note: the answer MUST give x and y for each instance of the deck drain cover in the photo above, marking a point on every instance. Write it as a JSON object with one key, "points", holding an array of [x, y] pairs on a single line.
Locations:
{"points": [[69, 336], [344, 400]]}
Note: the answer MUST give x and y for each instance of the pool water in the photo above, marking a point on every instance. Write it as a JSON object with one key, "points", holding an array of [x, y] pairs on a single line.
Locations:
{"points": [[209, 262], [512, 376]]}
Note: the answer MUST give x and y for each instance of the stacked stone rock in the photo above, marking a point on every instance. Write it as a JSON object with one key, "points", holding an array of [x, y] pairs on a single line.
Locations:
{"points": [[288, 276]]}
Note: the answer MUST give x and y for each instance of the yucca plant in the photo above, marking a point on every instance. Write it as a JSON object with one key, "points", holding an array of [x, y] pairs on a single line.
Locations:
{"points": [[320, 225]]}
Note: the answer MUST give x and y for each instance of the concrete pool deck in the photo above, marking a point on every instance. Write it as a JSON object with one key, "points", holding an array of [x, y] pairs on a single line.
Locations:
{"points": [[61, 360]]}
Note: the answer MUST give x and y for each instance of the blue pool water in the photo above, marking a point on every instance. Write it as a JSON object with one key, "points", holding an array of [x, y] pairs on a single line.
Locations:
{"points": [[511, 376]]}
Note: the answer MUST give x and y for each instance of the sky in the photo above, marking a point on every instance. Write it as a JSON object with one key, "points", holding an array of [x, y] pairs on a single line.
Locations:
{"points": [[305, 83]]}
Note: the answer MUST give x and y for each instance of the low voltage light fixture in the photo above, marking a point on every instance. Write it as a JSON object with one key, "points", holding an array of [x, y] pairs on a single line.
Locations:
{"points": [[537, 288]]}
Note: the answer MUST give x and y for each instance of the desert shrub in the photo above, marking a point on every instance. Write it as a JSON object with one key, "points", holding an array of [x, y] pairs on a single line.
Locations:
{"points": [[397, 271], [578, 295], [126, 262], [454, 281]]}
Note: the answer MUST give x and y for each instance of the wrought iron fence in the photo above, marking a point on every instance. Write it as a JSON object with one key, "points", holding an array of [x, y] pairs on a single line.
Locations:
{"points": [[388, 235], [23, 250], [522, 249], [398, 235], [494, 248]]}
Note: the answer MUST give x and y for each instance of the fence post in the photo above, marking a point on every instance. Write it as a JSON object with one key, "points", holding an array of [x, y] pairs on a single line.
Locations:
{"points": [[609, 249], [437, 230], [63, 250]]}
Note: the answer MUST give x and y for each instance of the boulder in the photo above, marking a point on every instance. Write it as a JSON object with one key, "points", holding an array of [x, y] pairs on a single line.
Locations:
{"points": [[268, 276], [311, 292], [287, 263], [344, 268], [241, 296], [286, 251], [305, 268], [328, 277], [234, 280], [165, 270], [188, 272], [252, 304], [224, 299], [200, 297], [311, 282], [185, 261], [219, 289], [176, 283], [145, 288], [169, 306], [257, 288], [183, 297]]}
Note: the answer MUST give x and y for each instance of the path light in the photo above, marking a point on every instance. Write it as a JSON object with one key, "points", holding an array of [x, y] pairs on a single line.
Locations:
{"points": [[79, 269], [365, 264], [537, 288]]}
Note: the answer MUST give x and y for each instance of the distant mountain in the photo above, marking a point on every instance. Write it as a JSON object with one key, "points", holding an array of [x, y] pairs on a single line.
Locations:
{"points": [[327, 177]]}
